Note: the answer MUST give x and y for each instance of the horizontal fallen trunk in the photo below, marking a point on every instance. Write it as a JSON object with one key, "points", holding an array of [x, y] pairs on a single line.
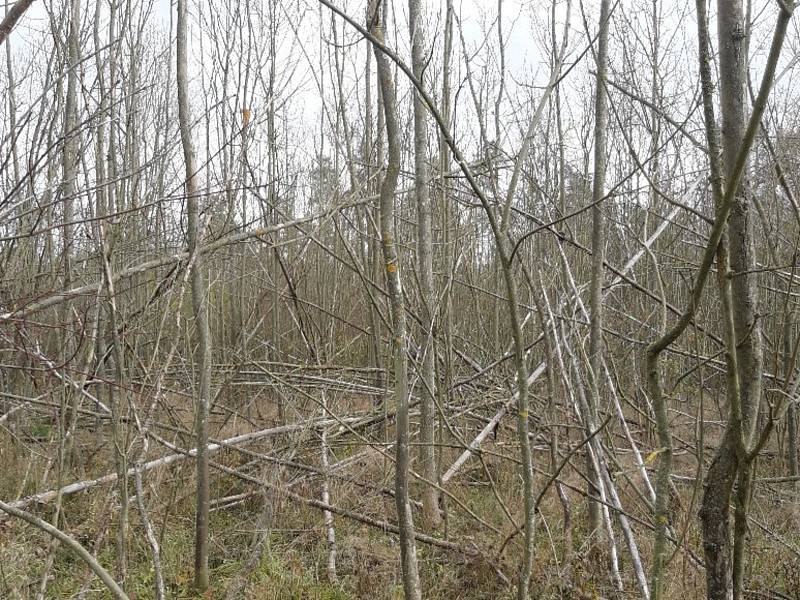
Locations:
{"points": [[246, 438]]}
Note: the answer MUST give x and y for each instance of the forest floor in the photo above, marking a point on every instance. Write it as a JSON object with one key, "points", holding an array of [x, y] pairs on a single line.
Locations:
{"points": [[267, 545]]}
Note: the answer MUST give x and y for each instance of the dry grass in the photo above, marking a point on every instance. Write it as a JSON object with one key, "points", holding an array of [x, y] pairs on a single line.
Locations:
{"points": [[293, 558]]}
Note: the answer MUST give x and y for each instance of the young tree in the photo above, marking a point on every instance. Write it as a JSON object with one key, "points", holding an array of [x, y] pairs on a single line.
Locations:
{"points": [[598, 256], [399, 341], [422, 182], [199, 301]]}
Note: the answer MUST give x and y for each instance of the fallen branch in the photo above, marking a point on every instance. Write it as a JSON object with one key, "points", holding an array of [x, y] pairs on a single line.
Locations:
{"points": [[475, 445], [12, 411], [247, 438], [72, 544]]}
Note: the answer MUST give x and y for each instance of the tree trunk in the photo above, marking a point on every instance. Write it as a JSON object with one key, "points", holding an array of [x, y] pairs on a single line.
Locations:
{"points": [[199, 303], [734, 458], [791, 413], [732, 33], [408, 550], [598, 254], [427, 454]]}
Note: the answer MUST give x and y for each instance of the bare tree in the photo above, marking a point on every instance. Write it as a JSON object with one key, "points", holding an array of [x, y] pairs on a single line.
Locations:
{"points": [[427, 457], [598, 249], [467, 316], [399, 341], [199, 303]]}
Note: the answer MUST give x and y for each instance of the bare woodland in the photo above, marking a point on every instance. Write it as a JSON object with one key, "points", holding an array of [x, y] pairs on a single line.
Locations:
{"points": [[399, 299]]}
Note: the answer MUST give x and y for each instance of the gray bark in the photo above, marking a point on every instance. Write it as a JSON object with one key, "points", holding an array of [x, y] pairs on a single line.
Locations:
{"points": [[399, 342], [733, 460], [598, 247], [732, 33], [791, 412], [427, 455], [12, 16], [199, 302]]}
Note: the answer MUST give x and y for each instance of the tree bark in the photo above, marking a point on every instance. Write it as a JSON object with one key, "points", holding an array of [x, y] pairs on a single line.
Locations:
{"points": [[734, 457], [598, 253], [408, 550], [12, 16], [791, 413], [199, 303], [427, 454]]}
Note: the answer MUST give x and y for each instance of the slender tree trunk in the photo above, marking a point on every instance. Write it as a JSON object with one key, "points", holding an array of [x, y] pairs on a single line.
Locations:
{"points": [[449, 234], [69, 155], [791, 413], [199, 302], [663, 489], [272, 196], [110, 337], [427, 455], [368, 248], [327, 516], [408, 551], [732, 32], [598, 251]]}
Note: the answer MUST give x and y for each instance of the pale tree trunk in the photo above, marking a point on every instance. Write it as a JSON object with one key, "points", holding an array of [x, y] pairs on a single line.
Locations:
{"points": [[734, 457], [272, 196], [732, 32], [450, 232], [408, 551], [330, 531], [118, 403], [598, 254], [116, 389], [659, 402], [12, 108], [199, 302], [369, 250], [549, 327], [427, 454], [68, 415], [69, 155], [725, 574]]}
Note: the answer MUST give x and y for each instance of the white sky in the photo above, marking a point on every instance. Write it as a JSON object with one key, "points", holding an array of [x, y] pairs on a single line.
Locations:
{"points": [[524, 25]]}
